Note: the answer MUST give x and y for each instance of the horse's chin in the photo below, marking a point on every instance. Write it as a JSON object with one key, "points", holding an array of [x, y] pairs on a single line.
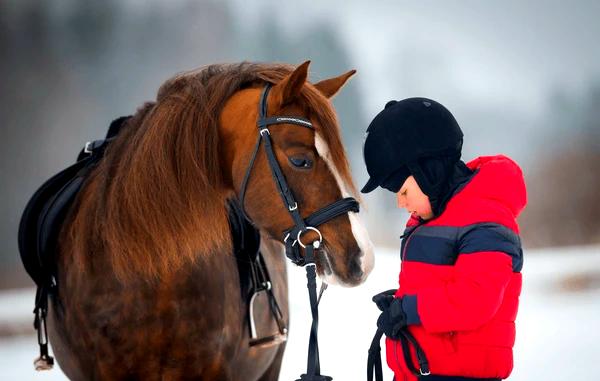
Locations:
{"points": [[329, 276]]}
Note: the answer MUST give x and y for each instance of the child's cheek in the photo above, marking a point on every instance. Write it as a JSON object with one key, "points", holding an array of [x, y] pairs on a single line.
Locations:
{"points": [[424, 207]]}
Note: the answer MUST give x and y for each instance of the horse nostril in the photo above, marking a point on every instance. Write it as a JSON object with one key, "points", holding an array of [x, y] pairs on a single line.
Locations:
{"points": [[358, 276], [355, 271]]}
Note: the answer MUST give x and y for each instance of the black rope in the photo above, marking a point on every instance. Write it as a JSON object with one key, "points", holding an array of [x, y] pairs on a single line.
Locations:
{"points": [[406, 340], [374, 358]]}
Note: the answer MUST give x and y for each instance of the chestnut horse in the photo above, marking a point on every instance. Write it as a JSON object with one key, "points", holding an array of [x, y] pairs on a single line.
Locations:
{"points": [[147, 283]]}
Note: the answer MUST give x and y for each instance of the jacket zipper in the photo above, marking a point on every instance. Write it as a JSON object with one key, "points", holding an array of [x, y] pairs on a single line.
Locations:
{"points": [[403, 256], [408, 238]]}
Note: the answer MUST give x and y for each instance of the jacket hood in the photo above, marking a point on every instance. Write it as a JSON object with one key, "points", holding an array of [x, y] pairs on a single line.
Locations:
{"points": [[499, 178]]}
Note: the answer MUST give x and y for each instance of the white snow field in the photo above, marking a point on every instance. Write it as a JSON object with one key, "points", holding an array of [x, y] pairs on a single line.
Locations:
{"points": [[558, 335]]}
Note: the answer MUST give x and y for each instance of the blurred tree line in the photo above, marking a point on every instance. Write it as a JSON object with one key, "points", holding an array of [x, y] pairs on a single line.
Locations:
{"points": [[564, 182]]}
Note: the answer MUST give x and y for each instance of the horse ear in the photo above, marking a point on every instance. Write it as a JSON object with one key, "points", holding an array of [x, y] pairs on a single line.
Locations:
{"points": [[288, 88], [330, 87]]}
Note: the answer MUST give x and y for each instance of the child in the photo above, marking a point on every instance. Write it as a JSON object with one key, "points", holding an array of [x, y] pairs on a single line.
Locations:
{"points": [[453, 315]]}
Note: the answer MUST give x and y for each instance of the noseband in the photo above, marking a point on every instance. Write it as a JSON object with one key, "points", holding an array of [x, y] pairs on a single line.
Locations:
{"points": [[292, 236]]}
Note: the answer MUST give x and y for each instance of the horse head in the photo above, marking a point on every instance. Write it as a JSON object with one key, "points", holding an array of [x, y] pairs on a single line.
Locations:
{"points": [[312, 161]]}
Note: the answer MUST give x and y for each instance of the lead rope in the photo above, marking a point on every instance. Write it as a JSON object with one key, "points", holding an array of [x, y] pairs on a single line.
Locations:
{"points": [[374, 359], [406, 339], [313, 367]]}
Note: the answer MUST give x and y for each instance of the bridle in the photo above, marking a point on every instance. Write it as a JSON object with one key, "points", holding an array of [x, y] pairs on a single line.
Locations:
{"points": [[292, 236]]}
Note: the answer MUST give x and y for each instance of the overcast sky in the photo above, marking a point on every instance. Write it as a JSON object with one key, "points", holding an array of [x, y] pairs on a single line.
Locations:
{"points": [[479, 50], [495, 65]]}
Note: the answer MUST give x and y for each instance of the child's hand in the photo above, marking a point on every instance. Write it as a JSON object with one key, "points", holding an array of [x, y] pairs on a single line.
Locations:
{"points": [[383, 299], [392, 319]]}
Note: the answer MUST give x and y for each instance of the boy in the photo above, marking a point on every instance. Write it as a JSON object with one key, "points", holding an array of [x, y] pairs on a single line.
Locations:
{"points": [[453, 316]]}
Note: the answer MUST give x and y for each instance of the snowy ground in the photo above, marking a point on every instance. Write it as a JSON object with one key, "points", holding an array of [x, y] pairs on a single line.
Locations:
{"points": [[558, 335]]}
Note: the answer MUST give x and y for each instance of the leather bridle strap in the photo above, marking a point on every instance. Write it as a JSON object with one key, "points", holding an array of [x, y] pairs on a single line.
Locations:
{"points": [[301, 225], [278, 177], [319, 217]]}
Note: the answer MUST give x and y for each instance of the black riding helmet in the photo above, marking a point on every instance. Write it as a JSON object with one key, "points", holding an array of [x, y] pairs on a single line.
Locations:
{"points": [[419, 137]]}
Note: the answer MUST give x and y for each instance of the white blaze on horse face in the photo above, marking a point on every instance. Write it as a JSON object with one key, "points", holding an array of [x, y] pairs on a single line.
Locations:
{"points": [[358, 229]]}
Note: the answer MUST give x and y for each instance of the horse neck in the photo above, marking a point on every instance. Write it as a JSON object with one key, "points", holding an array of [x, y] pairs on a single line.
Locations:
{"points": [[135, 211]]}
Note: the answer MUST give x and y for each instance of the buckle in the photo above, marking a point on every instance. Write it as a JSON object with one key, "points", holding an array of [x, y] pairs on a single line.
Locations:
{"points": [[264, 129], [88, 148]]}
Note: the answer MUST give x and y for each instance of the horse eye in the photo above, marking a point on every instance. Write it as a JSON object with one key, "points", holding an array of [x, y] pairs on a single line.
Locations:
{"points": [[301, 162]]}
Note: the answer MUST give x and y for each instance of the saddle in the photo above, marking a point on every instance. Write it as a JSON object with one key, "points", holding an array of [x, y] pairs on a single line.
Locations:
{"points": [[40, 226], [48, 208]]}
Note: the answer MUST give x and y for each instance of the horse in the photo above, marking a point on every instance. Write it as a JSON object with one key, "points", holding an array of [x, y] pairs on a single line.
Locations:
{"points": [[147, 285]]}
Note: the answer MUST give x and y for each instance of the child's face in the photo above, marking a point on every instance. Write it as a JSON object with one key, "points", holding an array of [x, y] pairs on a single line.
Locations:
{"points": [[411, 198]]}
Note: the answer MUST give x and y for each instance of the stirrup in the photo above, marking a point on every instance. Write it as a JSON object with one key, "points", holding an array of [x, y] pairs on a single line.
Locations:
{"points": [[270, 340]]}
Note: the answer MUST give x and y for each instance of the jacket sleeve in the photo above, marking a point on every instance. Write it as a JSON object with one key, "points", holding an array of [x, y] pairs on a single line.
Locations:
{"points": [[488, 256]]}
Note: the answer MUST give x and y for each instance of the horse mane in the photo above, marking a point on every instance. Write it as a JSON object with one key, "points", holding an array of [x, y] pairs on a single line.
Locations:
{"points": [[157, 201]]}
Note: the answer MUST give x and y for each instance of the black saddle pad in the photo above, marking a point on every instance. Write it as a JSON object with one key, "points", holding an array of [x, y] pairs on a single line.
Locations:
{"points": [[45, 212], [42, 219]]}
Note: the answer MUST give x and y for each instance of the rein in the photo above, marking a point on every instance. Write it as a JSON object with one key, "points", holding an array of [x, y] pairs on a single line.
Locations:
{"points": [[292, 236], [406, 340]]}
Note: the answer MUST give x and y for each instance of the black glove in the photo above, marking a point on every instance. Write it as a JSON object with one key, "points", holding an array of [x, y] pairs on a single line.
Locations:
{"points": [[383, 299], [392, 319]]}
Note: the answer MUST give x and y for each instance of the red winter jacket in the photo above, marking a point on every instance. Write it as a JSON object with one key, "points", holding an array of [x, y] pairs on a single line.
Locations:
{"points": [[460, 277]]}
